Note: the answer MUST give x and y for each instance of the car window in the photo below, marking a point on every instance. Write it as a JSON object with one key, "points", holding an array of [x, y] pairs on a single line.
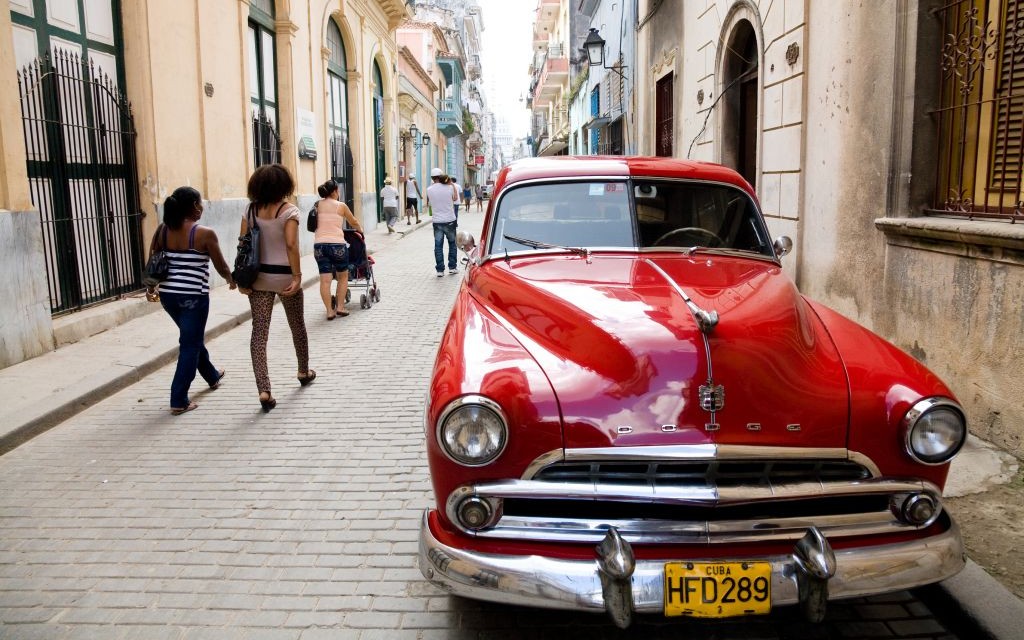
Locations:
{"points": [[688, 214], [595, 214], [571, 214]]}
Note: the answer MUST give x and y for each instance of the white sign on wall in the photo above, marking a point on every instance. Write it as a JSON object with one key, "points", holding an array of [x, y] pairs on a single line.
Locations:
{"points": [[306, 128]]}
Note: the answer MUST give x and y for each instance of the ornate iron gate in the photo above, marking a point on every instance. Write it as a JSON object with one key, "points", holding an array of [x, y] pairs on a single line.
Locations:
{"points": [[80, 143]]}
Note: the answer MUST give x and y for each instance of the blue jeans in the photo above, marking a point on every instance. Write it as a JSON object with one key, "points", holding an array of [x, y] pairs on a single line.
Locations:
{"points": [[189, 313], [442, 231]]}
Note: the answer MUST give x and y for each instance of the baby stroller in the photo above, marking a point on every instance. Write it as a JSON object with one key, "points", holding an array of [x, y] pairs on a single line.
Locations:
{"points": [[360, 270]]}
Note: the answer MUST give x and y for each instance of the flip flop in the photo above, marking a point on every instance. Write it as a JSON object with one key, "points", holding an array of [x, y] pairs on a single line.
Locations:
{"points": [[220, 378], [177, 411]]}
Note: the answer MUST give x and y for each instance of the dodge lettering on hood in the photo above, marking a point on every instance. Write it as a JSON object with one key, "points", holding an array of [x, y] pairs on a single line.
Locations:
{"points": [[634, 410]]}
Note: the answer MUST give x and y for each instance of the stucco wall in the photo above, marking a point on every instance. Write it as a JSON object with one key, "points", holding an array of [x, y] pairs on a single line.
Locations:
{"points": [[849, 82], [964, 318], [26, 329]]}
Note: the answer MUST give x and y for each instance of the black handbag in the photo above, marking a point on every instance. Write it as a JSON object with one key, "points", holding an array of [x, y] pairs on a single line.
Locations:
{"points": [[311, 220], [158, 266], [247, 260]]}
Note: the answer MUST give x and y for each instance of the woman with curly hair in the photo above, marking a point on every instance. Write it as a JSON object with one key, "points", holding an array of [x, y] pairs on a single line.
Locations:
{"points": [[269, 188]]}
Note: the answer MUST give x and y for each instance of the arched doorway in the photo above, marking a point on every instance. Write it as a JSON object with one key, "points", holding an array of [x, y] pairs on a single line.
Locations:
{"points": [[378, 134], [741, 85], [337, 117]]}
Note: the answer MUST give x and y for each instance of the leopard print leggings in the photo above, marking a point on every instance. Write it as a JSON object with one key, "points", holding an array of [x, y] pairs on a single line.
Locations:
{"points": [[262, 305]]}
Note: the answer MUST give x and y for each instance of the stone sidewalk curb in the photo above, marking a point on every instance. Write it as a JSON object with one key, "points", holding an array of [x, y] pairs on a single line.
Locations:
{"points": [[57, 385], [984, 607]]}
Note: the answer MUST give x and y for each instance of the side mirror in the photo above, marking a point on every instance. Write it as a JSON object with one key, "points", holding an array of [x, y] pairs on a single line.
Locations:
{"points": [[782, 245], [465, 241]]}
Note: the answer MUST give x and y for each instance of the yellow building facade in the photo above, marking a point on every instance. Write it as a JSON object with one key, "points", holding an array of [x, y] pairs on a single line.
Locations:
{"points": [[106, 106]]}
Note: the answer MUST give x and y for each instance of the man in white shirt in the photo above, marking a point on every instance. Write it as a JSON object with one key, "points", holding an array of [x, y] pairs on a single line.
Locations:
{"points": [[439, 198], [389, 201], [412, 201]]}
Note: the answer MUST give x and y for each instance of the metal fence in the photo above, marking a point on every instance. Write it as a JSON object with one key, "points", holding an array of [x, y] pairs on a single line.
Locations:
{"points": [[981, 117], [266, 143], [80, 143]]}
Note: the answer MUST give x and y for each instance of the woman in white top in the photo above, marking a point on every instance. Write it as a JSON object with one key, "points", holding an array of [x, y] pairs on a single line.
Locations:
{"points": [[330, 248]]}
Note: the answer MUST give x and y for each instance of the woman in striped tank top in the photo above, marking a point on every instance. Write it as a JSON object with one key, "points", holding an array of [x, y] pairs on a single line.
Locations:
{"points": [[185, 294]]}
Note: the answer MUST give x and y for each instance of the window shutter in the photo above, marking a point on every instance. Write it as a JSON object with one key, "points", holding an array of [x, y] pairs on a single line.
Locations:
{"points": [[1008, 130]]}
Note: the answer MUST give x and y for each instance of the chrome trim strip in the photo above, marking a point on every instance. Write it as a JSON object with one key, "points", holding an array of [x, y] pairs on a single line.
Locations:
{"points": [[702, 452], [543, 460], [536, 581], [694, 452], [700, 496], [648, 531], [866, 462]]}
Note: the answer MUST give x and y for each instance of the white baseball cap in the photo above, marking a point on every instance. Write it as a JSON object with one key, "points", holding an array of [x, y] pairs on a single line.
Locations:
{"points": [[436, 172]]}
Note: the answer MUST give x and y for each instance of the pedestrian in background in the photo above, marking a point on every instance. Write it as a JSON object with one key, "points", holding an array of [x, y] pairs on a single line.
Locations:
{"points": [[479, 198], [268, 189], [185, 293], [412, 201], [467, 196], [439, 198], [331, 249], [389, 202], [456, 194]]}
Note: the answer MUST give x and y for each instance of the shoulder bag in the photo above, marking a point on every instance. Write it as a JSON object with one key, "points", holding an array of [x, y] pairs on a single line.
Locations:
{"points": [[158, 266], [311, 220], [247, 260]]}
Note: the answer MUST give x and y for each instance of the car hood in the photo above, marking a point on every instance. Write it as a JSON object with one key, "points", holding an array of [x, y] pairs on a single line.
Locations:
{"points": [[626, 359]]}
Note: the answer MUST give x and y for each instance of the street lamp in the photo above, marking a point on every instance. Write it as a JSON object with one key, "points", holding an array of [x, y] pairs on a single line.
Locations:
{"points": [[594, 46], [413, 134], [418, 142]]}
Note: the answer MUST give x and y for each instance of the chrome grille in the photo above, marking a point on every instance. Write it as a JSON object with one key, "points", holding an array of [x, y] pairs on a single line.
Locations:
{"points": [[715, 473]]}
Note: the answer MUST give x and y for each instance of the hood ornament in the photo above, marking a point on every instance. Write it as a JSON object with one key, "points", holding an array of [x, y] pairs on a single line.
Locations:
{"points": [[710, 395]]}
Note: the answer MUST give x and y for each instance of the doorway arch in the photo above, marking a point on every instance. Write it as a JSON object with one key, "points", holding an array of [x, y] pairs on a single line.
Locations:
{"points": [[741, 90]]}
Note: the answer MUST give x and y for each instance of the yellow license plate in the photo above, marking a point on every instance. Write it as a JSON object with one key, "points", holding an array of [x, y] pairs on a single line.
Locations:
{"points": [[717, 589]]}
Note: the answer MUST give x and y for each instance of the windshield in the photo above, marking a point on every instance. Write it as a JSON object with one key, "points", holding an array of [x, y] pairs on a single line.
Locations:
{"points": [[646, 213], [571, 214]]}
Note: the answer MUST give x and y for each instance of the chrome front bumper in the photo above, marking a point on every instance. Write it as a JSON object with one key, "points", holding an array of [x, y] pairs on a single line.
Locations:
{"points": [[537, 581]]}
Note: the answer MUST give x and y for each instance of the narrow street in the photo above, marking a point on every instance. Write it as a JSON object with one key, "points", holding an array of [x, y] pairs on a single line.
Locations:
{"points": [[126, 522]]}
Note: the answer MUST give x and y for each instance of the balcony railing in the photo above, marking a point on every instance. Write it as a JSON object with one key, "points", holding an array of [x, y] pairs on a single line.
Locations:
{"points": [[449, 117]]}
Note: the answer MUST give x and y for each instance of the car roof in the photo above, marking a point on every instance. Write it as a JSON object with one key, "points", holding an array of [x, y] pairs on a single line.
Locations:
{"points": [[612, 166]]}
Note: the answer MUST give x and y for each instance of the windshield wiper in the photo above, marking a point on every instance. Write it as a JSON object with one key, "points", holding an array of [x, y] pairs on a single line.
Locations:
{"points": [[537, 244]]}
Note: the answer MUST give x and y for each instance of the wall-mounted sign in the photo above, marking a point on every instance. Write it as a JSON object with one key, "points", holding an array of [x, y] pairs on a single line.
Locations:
{"points": [[479, 161], [306, 128]]}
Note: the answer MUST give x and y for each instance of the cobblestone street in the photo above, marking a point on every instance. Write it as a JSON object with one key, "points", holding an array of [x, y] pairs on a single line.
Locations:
{"points": [[126, 522]]}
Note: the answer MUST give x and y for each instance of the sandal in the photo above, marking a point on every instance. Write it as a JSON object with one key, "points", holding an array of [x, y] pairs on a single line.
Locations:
{"points": [[267, 404], [220, 377], [329, 318], [342, 313], [177, 411], [306, 379]]}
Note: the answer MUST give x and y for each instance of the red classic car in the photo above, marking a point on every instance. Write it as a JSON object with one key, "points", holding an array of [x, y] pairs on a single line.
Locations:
{"points": [[634, 410]]}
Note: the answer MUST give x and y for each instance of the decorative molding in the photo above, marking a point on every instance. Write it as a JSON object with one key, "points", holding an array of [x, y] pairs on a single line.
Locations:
{"points": [[665, 65], [285, 28], [973, 239]]}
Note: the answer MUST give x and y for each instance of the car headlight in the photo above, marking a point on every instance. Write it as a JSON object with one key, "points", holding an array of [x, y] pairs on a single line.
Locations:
{"points": [[472, 430], [934, 430]]}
